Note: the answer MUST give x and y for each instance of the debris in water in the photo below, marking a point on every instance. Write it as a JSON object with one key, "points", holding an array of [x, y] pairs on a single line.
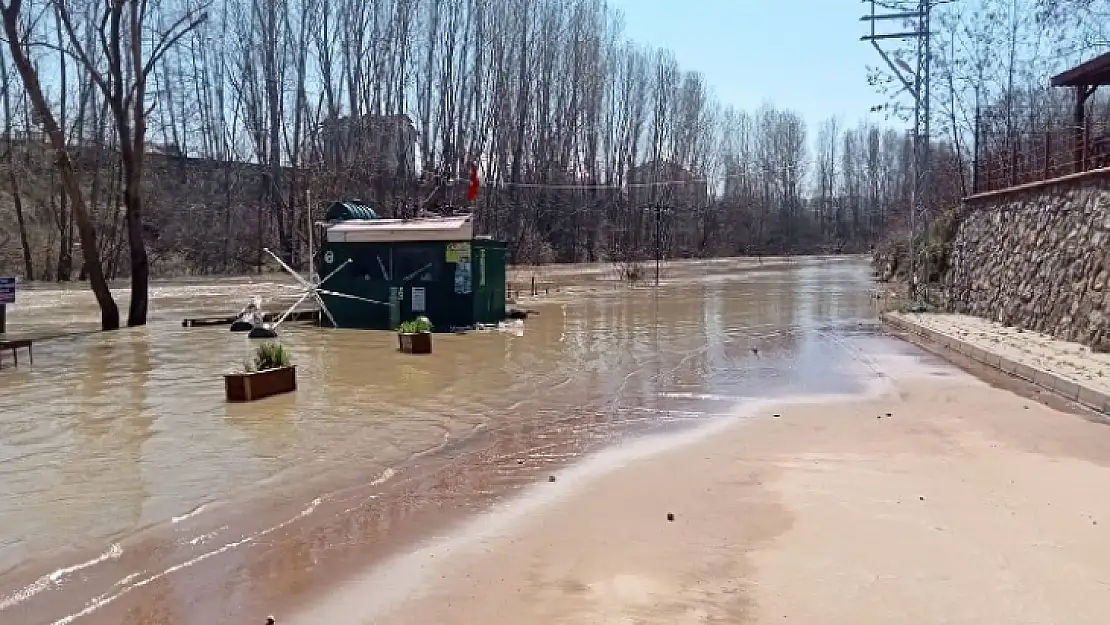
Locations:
{"points": [[777, 415], [888, 415], [269, 620], [670, 516], [262, 331], [551, 478], [755, 350], [249, 317], [512, 326], [921, 498], [520, 461]]}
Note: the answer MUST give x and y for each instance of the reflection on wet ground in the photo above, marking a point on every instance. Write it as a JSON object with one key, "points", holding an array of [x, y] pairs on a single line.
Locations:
{"points": [[130, 492]]}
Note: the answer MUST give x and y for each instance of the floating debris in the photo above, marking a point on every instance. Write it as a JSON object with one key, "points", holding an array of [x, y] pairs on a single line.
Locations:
{"points": [[250, 317], [263, 331]]}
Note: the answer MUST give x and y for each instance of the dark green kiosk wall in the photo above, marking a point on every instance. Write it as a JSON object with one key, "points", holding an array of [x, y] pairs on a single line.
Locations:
{"points": [[455, 284]]}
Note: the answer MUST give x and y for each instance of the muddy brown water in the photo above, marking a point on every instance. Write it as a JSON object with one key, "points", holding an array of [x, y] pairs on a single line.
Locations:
{"points": [[130, 492]]}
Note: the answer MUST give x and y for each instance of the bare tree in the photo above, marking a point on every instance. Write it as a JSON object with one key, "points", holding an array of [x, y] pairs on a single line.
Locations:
{"points": [[14, 30], [123, 31]]}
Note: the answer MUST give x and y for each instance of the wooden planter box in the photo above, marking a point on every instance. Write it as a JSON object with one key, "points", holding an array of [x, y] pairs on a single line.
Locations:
{"points": [[260, 384], [420, 343]]}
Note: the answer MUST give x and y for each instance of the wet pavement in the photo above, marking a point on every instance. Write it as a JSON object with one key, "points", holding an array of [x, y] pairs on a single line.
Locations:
{"points": [[131, 492]]}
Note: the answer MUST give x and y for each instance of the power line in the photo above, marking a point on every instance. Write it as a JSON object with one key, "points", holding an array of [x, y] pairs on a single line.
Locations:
{"points": [[916, 81]]}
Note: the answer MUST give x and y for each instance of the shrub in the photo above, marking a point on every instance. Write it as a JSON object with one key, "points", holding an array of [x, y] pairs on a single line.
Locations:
{"points": [[270, 356], [420, 325]]}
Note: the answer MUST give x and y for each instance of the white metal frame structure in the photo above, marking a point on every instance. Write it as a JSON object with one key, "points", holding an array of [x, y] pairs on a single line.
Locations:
{"points": [[312, 288]]}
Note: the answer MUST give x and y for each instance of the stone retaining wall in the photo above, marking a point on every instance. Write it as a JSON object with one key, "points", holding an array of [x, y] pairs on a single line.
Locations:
{"points": [[1036, 257]]}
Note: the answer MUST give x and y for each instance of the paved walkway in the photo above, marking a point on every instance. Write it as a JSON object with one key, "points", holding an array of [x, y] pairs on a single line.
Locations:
{"points": [[1069, 369]]}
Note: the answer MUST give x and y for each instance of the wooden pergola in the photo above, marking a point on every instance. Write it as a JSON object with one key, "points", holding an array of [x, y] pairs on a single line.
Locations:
{"points": [[1084, 80]]}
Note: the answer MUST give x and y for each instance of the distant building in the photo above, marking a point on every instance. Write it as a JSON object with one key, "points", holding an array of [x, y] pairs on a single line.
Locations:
{"points": [[665, 181], [379, 143], [165, 149]]}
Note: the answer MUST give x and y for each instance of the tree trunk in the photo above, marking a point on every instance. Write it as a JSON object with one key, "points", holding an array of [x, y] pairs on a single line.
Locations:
{"points": [[13, 179], [17, 200], [140, 263], [133, 174]]}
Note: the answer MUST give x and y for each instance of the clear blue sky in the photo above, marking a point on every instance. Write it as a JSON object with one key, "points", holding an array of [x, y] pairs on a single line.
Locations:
{"points": [[799, 54]]}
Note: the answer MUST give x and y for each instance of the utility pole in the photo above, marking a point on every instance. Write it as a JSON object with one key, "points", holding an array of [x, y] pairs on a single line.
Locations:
{"points": [[312, 275], [915, 15], [658, 208]]}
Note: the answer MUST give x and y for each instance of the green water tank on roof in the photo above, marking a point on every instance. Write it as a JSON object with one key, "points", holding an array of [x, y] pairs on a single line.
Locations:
{"points": [[350, 209]]}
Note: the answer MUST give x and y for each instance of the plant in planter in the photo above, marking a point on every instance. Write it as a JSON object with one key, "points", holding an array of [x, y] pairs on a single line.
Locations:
{"points": [[415, 336], [268, 372]]}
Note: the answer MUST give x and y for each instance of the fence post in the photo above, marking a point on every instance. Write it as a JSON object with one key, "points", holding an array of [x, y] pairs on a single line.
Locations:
{"points": [[1087, 144], [975, 158], [1047, 154]]}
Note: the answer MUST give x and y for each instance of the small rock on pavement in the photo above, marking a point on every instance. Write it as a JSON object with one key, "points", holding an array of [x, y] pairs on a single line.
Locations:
{"points": [[670, 516]]}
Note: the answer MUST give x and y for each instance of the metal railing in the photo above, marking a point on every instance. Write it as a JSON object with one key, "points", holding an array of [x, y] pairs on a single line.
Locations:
{"points": [[1009, 159]]}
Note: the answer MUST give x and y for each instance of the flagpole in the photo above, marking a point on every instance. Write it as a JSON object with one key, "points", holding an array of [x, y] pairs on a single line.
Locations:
{"points": [[311, 259]]}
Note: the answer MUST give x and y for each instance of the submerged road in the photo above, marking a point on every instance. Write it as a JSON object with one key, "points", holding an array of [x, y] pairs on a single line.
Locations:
{"points": [[130, 492]]}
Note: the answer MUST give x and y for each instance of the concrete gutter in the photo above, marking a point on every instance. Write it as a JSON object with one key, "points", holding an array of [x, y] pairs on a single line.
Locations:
{"points": [[1069, 389]]}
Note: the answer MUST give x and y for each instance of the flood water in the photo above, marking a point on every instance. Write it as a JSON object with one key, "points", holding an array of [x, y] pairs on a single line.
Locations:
{"points": [[130, 492]]}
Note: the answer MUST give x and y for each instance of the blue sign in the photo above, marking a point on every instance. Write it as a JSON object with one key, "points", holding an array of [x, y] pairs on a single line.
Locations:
{"points": [[7, 290]]}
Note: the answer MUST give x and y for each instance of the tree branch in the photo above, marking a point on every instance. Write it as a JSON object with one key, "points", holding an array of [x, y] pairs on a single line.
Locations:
{"points": [[67, 23], [168, 41]]}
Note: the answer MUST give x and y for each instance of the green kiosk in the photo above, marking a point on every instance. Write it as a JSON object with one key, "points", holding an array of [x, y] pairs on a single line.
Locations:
{"points": [[435, 267]]}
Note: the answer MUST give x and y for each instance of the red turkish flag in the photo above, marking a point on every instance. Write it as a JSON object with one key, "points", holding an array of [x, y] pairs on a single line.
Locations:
{"points": [[472, 192]]}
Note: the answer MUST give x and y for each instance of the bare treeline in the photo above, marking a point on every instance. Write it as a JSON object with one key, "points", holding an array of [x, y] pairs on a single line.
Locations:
{"points": [[199, 131], [992, 61]]}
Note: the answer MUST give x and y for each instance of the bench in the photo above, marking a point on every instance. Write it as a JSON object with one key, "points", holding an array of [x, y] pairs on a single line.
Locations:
{"points": [[14, 346]]}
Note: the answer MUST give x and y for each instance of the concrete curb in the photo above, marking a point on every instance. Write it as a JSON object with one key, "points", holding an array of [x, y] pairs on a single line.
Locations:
{"points": [[917, 333]]}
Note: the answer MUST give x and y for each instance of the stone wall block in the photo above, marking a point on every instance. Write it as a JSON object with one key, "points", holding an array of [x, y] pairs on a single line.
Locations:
{"points": [[1037, 259]]}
